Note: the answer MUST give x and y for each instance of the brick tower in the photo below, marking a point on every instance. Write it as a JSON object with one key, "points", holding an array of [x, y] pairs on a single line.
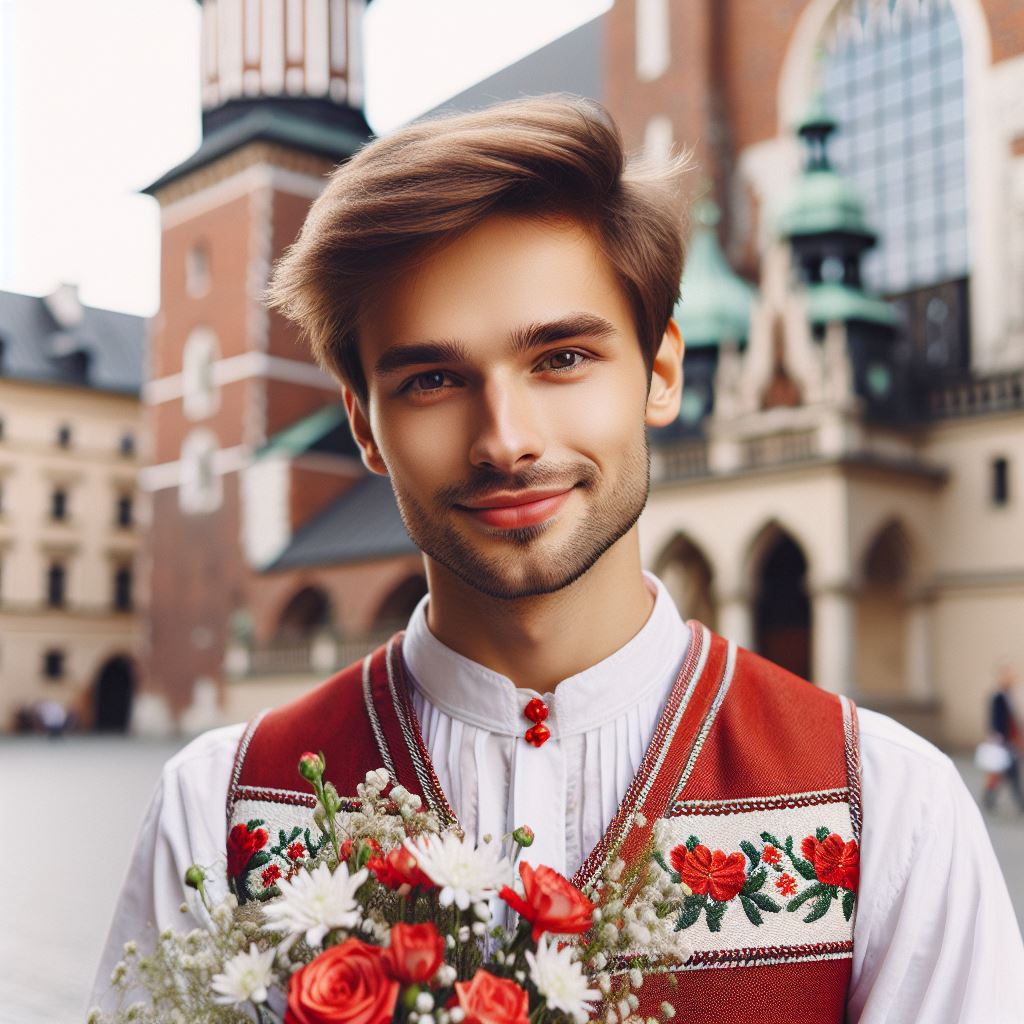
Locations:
{"points": [[282, 104]]}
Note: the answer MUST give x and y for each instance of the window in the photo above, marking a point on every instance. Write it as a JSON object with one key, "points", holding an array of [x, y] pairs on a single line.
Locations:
{"points": [[64, 436], [197, 270], [652, 42], [59, 505], [1000, 481], [123, 589], [53, 663], [127, 445], [56, 582], [199, 391], [124, 510], [200, 487]]}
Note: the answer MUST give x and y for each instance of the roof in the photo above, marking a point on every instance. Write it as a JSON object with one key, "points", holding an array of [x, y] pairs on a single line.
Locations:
{"points": [[715, 302], [324, 431], [44, 339], [821, 201], [833, 302], [268, 123], [363, 523]]}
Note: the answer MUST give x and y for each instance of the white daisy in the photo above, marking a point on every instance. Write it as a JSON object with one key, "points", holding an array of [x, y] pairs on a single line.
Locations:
{"points": [[246, 977], [315, 902], [560, 980], [465, 873]]}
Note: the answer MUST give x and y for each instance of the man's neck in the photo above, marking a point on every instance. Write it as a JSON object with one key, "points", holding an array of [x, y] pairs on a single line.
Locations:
{"points": [[539, 641]]}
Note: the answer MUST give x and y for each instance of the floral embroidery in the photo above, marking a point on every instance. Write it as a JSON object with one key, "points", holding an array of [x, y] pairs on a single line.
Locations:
{"points": [[296, 851], [248, 851], [715, 879], [270, 875]]}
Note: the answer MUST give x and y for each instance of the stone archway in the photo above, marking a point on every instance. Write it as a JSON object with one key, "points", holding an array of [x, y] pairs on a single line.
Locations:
{"points": [[309, 611], [401, 601], [782, 606], [687, 574], [113, 694]]}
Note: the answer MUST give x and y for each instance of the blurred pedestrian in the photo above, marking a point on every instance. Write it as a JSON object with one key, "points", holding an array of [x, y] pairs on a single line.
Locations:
{"points": [[1006, 732]]}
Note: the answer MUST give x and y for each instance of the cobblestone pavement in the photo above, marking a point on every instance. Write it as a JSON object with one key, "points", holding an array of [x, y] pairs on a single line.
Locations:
{"points": [[70, 809]]}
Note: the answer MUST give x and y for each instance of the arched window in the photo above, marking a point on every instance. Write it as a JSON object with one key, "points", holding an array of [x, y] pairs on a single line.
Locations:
{"points": [[200, 489], [892, 74], [199, 392]]}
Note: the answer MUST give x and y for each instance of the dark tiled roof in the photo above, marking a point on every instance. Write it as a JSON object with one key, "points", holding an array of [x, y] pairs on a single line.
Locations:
{"points": [[363, 523], [36, 347]]}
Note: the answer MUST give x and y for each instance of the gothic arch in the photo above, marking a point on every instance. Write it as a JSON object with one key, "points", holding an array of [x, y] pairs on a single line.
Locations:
{"points": [[689, 577], [307, 612], [399, 603], [113, 692]]}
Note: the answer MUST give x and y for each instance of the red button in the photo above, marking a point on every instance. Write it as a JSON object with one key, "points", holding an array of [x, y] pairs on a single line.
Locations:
{"points": [[538, 734], [536, 710]]}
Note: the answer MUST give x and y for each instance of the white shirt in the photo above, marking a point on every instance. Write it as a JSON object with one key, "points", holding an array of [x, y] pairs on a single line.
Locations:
{"points": [[935, 938]]}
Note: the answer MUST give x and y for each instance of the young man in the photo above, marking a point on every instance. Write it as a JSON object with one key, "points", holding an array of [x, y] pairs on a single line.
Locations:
{"points": [[494, 292]]}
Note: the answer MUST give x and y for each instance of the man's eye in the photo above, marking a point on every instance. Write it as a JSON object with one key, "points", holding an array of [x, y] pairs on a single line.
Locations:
{"points": [[557, 360], [430, 380]]}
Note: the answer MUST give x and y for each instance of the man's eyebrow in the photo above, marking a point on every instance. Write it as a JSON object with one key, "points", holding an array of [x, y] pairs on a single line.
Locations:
{"points": [[522, 339]]}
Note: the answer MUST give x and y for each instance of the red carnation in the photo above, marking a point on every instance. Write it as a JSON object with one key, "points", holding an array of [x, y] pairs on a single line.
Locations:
{"points": [[552, 904], [770, 854], [703, 871], [242, 844], [786, 884], [296, 850], [490, 1000], [345, 984], [398, 867], [835, 862], [270, 875], [415, 953]]}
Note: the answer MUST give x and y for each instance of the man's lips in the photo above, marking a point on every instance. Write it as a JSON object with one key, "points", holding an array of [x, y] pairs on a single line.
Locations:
{"points": [[511, 510]]}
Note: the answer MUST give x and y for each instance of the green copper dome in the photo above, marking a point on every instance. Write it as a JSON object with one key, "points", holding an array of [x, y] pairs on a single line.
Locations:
{"points": [[821, 202], [715, 301], [833, 302]]}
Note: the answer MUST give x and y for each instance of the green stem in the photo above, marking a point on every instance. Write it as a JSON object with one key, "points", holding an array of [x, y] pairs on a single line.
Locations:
{"points": [[329, 816], [538, 1014]]}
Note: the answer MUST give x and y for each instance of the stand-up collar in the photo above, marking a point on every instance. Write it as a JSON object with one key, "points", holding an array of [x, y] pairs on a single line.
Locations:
{"points": [[481, 697]]}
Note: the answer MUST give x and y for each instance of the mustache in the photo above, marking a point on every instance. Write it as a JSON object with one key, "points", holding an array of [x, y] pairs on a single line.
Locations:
{"points": [[486, 481]]}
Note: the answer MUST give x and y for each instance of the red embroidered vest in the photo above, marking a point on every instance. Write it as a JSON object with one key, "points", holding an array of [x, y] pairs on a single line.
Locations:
{"points": [[749, 793]]}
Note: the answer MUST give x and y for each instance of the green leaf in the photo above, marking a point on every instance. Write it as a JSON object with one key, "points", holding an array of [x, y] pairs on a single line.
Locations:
{"points": [[253, 824], [692, 906], [659, 859], [714, 915], [750, 910], [767, 837], [764, 902], [258, 860], [755, 881], [692, 843], [822, 833], [809, 893], [819, 909], [282, 839], [753, 855], [849, 899], [268, 894]]}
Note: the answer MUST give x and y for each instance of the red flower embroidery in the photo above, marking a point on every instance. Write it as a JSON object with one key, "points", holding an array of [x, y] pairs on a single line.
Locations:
{"points": [[296, 850], [270, 876], [770, 855], [835, 862], [786, 884], [721, 874], [242, 844]]}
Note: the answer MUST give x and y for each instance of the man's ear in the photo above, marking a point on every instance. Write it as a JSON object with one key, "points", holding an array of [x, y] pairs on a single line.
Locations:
{"points": [[362, 433], [666, 390]]}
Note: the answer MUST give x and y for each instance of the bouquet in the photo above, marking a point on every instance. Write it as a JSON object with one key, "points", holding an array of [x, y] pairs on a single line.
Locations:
{"points": [[383, 916]]}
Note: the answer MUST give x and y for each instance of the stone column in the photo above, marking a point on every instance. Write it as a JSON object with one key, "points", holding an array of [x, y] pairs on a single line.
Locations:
{"points": [[735, 620], [833, 655], [918, 647]]}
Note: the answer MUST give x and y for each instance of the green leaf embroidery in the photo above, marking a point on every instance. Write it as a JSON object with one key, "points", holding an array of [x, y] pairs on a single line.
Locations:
{"points": [[258, 860], [753, 916], [767, 837], [752, 853], [692, 843], [755, 881], [849, 899], [714, 915], [253, 824], [804, 867], [764, 902], [819, 908], [822, 833], [692, 906], [809, 893]]}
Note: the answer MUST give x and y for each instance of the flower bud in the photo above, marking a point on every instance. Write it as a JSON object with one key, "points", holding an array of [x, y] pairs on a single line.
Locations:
{"points": [[311, 766], [523, 836], [194, 877]]}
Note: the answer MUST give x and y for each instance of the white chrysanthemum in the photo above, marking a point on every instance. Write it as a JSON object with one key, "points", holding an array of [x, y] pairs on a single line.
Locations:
{"points": [[314, 902], [465, 873], [560, 980], [247, 976]]}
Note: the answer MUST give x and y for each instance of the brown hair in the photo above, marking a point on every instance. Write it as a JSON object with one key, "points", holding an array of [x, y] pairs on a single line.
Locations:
{"points": [[433, 180]]}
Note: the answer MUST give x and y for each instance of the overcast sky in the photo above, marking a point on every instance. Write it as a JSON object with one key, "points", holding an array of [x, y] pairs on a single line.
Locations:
{"points": [[100, 97]]}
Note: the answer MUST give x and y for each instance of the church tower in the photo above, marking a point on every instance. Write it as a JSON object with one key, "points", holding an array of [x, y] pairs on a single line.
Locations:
{"points": [[282, 97]]}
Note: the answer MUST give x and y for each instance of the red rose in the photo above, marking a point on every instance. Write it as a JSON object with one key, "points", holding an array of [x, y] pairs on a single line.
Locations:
{"points": [[490, 1000], [398, 867], [703, 871], [552, 904], [415, 953], [835, 862], [345, 984], [242, 844]]}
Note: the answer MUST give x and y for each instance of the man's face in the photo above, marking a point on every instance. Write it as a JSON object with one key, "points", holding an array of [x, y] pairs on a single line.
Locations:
{"points": [[508, 363]]}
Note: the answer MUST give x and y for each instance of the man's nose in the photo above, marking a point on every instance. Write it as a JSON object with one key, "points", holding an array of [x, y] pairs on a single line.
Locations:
{"points": [[508, 428]]}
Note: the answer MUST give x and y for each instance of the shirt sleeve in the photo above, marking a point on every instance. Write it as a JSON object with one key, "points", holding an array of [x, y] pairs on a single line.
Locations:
{"points": [[936, 940], [184, 824]]}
